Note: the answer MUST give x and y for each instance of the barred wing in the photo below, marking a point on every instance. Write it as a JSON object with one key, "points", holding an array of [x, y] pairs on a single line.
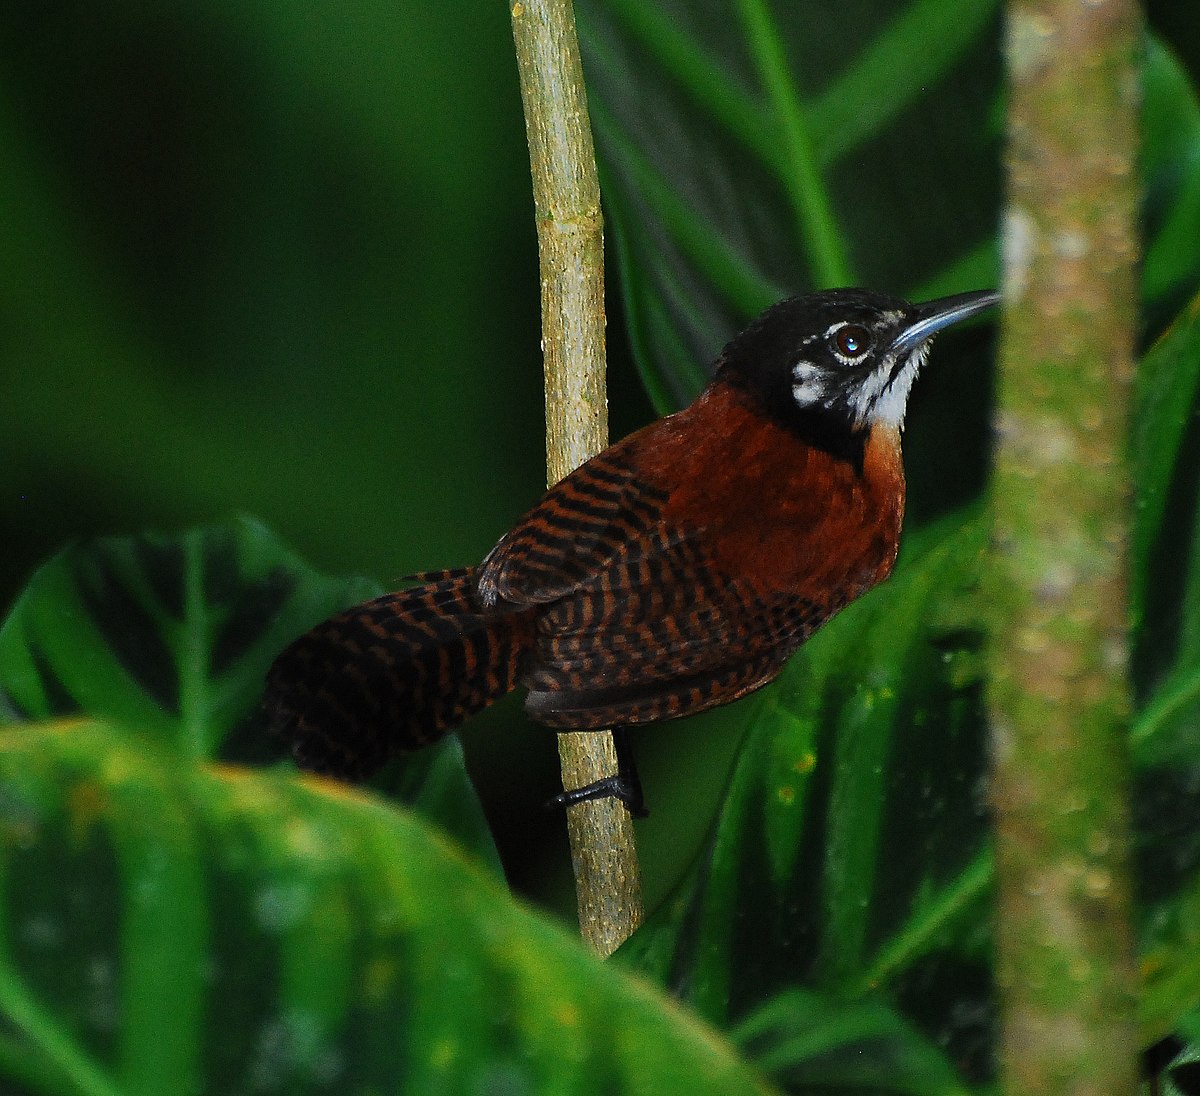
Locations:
{"points": [[659, 634], [639, 620], [598, 511]]}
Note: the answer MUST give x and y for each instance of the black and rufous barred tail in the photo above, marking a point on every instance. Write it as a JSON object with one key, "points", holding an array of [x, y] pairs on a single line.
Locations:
{"points": [[394, 674]]}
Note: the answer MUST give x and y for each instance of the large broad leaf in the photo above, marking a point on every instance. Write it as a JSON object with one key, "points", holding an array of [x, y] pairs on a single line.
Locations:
{"points": [[851, 850], [170, 633], [851, 855], [173, 634], [756, 149], [1164, 739], [1168, 383], [170, 927]]}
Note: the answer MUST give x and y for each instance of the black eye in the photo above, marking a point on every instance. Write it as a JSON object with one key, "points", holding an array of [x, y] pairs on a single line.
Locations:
{"points": [[852, 340]]}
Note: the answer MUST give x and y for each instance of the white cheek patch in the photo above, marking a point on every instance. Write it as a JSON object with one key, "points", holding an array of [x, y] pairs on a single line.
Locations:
{"points": [[808, 384]]}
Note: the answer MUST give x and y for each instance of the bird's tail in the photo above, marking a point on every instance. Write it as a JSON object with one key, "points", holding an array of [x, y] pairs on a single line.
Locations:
{"points": [[394, 674]]}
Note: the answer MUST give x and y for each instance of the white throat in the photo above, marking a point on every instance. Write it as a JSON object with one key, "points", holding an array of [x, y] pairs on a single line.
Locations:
{"points": [[882, 398]]}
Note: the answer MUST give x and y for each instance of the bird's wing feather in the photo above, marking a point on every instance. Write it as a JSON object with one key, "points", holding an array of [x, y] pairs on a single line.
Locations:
{"points": [[659, 634], [633, 561], [597, 512]]}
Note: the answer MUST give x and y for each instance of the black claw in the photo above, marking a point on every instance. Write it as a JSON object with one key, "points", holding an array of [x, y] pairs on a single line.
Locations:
{"points": [[624, 785], [615, 786]]}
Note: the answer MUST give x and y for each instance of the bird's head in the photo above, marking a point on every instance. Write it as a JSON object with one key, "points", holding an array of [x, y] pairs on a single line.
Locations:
{"points": [[841, 359]]}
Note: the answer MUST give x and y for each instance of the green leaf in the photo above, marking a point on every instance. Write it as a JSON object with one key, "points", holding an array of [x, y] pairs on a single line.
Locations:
{"points": [[168, 926], [1170, 176], [809, 1043], [173, 635], [782, 154], [851, 850], [1168, 381], [851, 855], [1166, 543], [170, 633], [1170, 951]]}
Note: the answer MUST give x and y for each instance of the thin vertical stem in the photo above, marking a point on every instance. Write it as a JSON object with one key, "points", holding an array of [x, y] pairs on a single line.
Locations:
{"points": [[1059, 695], [571, 256]]}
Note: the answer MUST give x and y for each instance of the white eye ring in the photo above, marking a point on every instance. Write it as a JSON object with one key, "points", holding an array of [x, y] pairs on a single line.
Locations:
{"points": [[850, 342]]}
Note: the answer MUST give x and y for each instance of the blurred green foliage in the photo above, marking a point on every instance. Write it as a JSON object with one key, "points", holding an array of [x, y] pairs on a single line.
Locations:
{"points": [[276, 258], [247, 933], [280, 259]]}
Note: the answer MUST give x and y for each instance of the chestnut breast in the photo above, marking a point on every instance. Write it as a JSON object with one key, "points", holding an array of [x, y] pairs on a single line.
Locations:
{"points": [[777, 513]]}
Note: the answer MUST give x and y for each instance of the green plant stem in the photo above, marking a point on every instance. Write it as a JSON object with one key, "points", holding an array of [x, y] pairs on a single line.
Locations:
{"points": [[566, 197], [1058, 693]]}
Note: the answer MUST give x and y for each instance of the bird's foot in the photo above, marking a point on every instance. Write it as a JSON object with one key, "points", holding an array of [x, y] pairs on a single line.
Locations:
{"points": [[618, 786], [624, 784]]}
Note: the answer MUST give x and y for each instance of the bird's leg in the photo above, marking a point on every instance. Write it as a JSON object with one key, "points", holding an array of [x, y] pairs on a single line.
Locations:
{"points": [[624, 784]]}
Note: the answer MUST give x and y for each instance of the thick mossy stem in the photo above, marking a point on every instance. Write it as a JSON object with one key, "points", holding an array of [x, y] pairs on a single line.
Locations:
{"points": [[1059, 694]]}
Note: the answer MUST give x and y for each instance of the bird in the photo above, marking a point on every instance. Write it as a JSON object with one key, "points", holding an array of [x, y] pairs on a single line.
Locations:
{"points": [[677, 570]]}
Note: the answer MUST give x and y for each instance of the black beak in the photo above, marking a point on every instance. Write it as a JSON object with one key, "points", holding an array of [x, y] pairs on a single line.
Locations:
{"points": [[931, 317]]}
